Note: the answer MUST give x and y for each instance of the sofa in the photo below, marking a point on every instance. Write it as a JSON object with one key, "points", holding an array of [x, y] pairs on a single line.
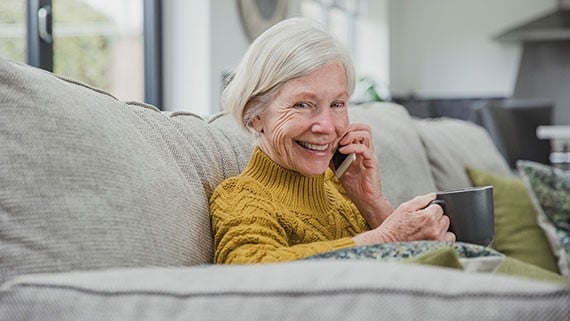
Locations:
{"points": [[104, 216]]}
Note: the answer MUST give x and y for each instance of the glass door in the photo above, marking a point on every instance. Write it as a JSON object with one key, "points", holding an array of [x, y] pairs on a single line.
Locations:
{"points": [[100, 42], [114, 45], [13, 30]]}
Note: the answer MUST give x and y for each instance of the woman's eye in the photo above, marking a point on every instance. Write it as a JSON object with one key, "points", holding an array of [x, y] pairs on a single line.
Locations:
{"points": [[302, 105], [338, 104]]}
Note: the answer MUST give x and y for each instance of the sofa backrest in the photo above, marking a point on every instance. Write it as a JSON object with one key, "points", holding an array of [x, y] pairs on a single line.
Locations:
{"points": [[89, 182]]}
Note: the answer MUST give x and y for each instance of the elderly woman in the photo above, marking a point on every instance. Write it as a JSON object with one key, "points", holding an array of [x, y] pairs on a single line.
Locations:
{"points": [[292, 90]]}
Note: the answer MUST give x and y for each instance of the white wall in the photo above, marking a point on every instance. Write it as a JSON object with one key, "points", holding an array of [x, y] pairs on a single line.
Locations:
{"points": [[371, 56], [431, 48], [445, 48], [205, 39], [229, 43], [186, 55], [202, 40]]}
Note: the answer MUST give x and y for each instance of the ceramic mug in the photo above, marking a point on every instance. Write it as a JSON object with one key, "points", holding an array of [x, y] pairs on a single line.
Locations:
{"points": [[471, 213]]}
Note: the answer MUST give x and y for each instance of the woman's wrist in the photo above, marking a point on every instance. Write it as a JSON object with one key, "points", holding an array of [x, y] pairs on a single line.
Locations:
{"points": [[372, 237], [376, 213]]}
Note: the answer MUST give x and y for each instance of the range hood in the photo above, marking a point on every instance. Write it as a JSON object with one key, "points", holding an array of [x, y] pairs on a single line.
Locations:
{"points": [[554, 26], [545, 65]]}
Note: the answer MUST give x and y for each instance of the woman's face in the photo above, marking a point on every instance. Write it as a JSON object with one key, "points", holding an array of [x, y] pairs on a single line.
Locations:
{"points": [[301, 127]]}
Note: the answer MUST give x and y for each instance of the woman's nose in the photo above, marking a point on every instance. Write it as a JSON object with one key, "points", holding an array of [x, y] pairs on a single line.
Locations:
{"points": [[324, 122]]}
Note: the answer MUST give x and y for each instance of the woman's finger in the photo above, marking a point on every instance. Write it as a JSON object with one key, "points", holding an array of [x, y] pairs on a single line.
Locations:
{"points": [[449, 237], [356, 137], [420, 202]]}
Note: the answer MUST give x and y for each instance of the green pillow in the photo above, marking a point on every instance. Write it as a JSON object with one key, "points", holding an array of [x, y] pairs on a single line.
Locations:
{"points": [[517, 233]]}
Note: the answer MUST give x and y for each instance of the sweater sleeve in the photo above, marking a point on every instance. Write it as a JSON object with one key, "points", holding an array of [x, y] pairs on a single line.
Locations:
{"points": [[246, 229]]}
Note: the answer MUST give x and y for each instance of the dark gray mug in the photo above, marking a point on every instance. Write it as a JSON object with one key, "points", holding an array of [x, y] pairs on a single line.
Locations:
{"points": [[471, 213]]}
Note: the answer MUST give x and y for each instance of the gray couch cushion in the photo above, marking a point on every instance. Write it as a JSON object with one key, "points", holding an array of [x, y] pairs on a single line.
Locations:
{"points": [[404, 165], [88, 182], [453, 144], [309, 290], [235, 144]]}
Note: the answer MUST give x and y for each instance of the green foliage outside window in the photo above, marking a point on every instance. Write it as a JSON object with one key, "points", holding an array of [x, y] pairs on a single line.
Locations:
{"points": [[85, 57], [82, 57], [12, 36]]}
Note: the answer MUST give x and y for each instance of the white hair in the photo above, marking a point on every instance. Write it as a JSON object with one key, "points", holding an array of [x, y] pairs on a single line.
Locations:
{"points": [[290, 49]]}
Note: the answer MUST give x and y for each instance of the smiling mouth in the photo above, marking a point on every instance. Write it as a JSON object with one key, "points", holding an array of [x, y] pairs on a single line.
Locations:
{"points": [[314, 147]]}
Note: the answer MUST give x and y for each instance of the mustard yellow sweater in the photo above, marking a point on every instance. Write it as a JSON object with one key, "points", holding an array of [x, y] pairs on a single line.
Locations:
{"points": [[270, 214]]}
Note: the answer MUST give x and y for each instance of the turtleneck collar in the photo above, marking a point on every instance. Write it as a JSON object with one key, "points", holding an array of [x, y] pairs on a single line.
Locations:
{"points": [[288, 186]]}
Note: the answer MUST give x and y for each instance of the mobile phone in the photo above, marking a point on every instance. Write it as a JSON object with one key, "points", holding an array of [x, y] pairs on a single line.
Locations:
{"points": [[341, 162]]}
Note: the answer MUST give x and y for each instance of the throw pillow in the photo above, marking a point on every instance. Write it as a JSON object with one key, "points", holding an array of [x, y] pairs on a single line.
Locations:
{"points": [[452, 144], [549, 188], [517, 233]]}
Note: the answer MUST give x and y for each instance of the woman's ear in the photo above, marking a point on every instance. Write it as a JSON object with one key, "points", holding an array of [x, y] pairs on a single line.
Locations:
{"points": [[257, 124]]}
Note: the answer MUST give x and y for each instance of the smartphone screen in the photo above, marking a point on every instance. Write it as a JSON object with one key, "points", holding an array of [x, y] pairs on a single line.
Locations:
{"points": [[338, 158], [341, 162]]}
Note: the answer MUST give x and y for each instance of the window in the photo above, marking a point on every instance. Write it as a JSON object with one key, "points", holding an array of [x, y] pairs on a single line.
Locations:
{"points": [[13, 30], [338, 16], [100, 42], [109, 44]]}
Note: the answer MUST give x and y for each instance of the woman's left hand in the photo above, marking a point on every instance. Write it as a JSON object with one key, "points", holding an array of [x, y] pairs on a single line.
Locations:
{"points": [[362, 179]]}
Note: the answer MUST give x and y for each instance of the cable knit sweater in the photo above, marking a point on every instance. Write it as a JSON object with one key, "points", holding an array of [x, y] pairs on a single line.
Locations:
{"points": [[270, 214]]}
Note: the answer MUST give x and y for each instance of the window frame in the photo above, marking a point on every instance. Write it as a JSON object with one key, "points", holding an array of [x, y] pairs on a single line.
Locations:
{"points": [[39, 50]]}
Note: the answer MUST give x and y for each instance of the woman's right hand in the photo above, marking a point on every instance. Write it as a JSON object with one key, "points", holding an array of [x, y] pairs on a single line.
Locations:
{"points": [[411, 221]]}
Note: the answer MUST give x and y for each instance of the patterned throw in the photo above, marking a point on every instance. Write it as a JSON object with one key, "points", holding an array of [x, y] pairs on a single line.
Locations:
{"points": [[390, 252]]}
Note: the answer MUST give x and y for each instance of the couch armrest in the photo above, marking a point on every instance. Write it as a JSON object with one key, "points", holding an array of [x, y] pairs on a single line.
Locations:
{"points": [[327, 290]]}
